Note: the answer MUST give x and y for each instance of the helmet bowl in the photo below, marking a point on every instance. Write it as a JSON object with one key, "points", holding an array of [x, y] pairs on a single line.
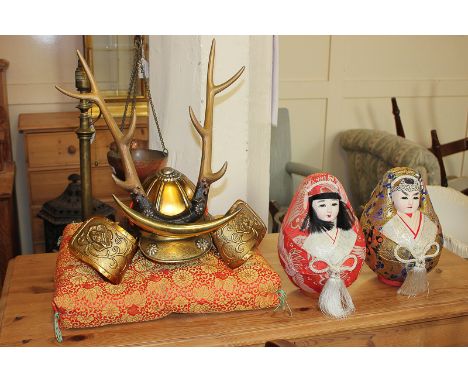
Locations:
{"points": [[146, 161]]}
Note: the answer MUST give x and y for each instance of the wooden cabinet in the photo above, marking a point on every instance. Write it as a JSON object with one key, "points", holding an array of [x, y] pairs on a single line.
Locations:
{"points": [[53, 153]]}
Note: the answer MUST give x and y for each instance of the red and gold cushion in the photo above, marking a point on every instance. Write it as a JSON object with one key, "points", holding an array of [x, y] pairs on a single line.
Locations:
{"points": [[150, 290]]}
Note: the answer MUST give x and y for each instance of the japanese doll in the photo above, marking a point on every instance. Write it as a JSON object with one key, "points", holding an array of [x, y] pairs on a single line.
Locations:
{"points": [[403, 234], [321, 245]]}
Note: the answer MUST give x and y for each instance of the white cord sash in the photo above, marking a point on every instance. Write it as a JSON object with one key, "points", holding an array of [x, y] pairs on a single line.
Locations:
{"points": [[335, 300], [419, 260], [416, 279]]}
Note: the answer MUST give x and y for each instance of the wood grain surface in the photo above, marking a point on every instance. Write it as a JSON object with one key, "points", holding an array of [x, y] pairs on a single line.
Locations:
{"points": [[49, 150], [383, 318], [49, 184]]}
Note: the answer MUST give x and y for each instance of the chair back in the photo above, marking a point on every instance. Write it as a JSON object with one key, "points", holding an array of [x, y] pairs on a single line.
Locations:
{"points": [[396, 114], [446, 149], [436, 148]]}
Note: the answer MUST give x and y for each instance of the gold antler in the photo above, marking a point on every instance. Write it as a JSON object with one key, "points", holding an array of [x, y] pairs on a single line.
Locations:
{"points": [[206, 131], [122, 140]]}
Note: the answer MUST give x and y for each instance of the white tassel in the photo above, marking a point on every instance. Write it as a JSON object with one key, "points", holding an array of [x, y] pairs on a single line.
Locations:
{"points": [[335, 300], [416, 278], [415, 282]]}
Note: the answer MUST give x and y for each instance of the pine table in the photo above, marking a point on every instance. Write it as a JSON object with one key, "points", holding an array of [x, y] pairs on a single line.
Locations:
{"points": [[383, 318]]}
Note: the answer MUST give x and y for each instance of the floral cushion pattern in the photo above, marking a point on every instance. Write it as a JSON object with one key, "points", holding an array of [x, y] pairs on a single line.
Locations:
{"points": [[150, 290]]}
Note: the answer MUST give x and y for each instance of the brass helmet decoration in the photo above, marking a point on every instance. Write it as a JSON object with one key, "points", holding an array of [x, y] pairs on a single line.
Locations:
{"points": [[170, 193], [167, 207]]}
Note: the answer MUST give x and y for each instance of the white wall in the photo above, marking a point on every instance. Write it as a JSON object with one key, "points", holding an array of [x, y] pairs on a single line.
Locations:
{"points": [[329, 83], [178, 77], [242, 116], [258, 165], [37, 63], [335, 83]]}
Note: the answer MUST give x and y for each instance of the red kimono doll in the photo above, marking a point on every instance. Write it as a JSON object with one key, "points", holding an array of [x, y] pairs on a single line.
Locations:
{"points": [[321, 245]]}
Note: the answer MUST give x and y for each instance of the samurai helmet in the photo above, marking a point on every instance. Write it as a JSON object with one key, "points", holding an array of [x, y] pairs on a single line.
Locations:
{"points": [[167, 204]]}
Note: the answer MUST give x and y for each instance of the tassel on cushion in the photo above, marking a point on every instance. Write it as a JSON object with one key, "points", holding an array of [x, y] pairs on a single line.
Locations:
{"points": [[58, 332], [283, 303]]}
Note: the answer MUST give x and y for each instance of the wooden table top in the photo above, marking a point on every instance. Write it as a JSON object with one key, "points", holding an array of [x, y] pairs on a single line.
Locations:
{"points": [[382, 317]]}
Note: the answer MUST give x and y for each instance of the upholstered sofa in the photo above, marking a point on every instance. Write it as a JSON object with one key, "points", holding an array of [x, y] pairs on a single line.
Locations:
{"points": [[372, 152]]}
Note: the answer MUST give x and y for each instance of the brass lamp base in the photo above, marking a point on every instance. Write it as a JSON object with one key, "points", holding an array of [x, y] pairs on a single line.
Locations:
{"points": [[162, 250]]}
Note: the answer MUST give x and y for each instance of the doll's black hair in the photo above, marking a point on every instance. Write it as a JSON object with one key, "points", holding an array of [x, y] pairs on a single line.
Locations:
{"points": [[312, 223]]}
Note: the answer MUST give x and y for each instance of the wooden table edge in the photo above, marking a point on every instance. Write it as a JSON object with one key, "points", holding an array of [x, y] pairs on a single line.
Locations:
{"points": [[5, 291], [443, 311]]}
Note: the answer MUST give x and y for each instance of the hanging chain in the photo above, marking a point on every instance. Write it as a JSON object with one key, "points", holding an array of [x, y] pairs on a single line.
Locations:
{"points": [[150, 99], [131, 94], [138, 64]]}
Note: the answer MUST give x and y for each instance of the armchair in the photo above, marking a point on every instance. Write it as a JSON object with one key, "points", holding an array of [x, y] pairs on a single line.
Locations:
{"points": [[372, 152]]}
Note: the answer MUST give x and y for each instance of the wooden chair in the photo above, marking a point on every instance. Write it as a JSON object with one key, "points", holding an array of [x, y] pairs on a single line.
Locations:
{"points": [[440, 151], [396, 113]]}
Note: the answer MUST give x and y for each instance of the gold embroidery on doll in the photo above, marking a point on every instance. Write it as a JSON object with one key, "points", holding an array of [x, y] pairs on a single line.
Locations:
{"points": [[401, 227]]}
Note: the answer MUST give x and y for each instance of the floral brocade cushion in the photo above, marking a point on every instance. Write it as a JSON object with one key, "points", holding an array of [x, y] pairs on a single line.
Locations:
{"points": [[150, 290]]}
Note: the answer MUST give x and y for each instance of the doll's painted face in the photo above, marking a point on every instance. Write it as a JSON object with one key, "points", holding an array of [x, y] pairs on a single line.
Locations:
{"points": [[326, 209], [406, 202]]}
